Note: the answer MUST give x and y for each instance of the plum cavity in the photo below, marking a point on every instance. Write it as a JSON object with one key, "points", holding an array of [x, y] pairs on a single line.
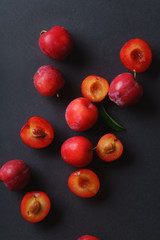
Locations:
{"points": [[96, 88], [137, 55]]}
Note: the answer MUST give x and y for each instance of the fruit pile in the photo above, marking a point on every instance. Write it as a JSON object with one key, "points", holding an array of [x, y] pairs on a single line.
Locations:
{"points": [[81, 114]]}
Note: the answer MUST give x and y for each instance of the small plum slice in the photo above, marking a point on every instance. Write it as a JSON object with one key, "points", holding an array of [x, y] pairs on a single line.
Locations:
{"points": [[56, 43], [77, 151], [136, 54], [35, 206], [81, 114], [125, 90], [109, 148], [84, 183], [94, 88], [87, 237], [15, 174], [48, 80], [37, 132]]}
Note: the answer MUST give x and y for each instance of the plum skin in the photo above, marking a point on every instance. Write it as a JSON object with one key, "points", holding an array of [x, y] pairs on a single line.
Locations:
{"points": [[48, 80], [56, 43], [87, 237], [77, 151], [81, 114], [125, 90], [15, 174]]}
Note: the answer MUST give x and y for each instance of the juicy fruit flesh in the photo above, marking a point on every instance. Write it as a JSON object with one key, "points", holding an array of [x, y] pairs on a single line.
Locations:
{"points": [[109, 148], [35, 206], [94, 88], [125, 90], [136, 55], [37, 133], [84, 183]]}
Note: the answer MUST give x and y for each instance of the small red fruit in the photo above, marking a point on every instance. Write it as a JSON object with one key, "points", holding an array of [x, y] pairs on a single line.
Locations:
{"points": [[125, 90], [56, 43], [77, 151], [109, 148], [87, 237], [35, 206], [37, 133], [81, 114], [48, 80], [94, 88], [84, 183], [15, 174], [136, 54]]}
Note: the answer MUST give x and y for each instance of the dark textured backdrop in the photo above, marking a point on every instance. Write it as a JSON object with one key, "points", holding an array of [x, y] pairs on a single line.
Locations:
{"points": [[127, 205]]}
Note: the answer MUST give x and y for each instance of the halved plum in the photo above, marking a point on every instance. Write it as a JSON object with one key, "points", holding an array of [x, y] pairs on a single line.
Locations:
{"points": [[136, 55], [84, 183], [35, 206], [95, 88], [37, 132], [109, 148]]}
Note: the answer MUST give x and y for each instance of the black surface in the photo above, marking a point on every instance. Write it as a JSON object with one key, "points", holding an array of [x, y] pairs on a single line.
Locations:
{"points": [[127, 205]]}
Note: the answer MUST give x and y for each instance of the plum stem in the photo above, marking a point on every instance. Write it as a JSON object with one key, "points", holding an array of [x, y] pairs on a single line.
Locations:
{"points": [[134, 73], [93, 149], [43, 31]]}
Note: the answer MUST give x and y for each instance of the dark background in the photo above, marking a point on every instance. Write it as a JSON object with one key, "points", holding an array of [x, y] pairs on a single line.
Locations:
{"points": [[127, 205]]}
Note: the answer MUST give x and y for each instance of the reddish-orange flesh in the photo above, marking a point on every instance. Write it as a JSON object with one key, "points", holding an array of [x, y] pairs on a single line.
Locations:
{"points": [[109, 148], [84, 183], [35, 206]]}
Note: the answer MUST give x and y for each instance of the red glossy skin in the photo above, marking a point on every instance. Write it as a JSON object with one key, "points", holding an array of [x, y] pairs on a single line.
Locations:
{"points": [[87, 237], [77, 151], [15, 174], [35, 206], [56, 43], [81, 114], [109, 148], [136, 54], [48, 80], [94, 88], [84, 183], [125, 90], [37, 133]]}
